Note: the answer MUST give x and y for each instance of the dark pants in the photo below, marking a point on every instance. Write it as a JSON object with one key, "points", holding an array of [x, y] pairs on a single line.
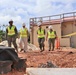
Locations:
{"points": [[12, 39], [51, 42], [41, 43]]}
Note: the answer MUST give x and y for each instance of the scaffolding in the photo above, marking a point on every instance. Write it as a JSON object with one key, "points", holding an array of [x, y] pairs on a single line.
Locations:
{"points": [[60, 18]]}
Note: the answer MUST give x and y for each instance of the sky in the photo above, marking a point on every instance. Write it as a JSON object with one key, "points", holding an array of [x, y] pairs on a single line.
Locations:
{"points": [[20, 11]]}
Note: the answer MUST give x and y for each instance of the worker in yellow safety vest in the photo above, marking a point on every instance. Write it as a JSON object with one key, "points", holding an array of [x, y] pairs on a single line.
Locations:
{"points": [[51, 35], [23, 38], [11, 34], [41, 37]]}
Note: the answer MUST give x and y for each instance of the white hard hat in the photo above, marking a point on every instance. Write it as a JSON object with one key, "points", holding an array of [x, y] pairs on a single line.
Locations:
{"points": [[11, 21], [23, 24], [50, 27]]}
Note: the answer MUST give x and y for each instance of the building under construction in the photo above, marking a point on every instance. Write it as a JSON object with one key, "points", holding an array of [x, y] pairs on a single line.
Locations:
{"points": [[63, 24]]}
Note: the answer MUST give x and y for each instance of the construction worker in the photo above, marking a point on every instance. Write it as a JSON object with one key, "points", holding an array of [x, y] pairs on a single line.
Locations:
{"points": [[11, 34], [23, 38], [41, 37], [51, 35]]}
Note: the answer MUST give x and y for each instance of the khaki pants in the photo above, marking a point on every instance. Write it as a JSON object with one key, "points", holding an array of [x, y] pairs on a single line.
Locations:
{"points": [[51, 42], [23, 43], [12, 39]]}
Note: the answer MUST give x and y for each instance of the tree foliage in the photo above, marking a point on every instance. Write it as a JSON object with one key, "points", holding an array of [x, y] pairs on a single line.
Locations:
{"points": [[2, 35]]}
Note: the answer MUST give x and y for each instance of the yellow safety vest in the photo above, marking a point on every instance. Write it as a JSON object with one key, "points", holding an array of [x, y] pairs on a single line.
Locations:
{"points": [[23, 32], [51, 34], [40, 33], [11, 31]]}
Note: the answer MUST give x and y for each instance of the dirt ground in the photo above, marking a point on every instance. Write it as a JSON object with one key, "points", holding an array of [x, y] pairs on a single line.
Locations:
{"points": [[14, 73], [63, 58]]}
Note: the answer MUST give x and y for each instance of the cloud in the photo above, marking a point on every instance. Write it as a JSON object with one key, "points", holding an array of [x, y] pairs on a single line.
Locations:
{"points": [[21, 10], [49, 7]]}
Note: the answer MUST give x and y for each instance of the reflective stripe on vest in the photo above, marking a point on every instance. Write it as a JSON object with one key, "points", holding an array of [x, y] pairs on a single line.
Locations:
{"points": [[11, 31], [40, 33], [51, 34], [23, 32]]}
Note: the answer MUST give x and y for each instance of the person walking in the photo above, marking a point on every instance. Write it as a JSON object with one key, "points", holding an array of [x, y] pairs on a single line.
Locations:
{"points": [[41, 37], [23, 38], [11, 34], [51, 35]]}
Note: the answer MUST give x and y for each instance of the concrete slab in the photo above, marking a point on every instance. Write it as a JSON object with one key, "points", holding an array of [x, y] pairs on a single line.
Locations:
{"points": [[51, 71]]}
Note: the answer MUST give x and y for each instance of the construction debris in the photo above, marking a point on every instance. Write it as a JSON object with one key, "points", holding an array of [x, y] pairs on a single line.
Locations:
{"points": [[31, 47], [49, 64]]}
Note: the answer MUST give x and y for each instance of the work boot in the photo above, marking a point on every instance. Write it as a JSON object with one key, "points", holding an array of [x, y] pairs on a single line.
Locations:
{"points": [[41, 50], [21, 50], [53, 49], [24, 51], [49, 50]]}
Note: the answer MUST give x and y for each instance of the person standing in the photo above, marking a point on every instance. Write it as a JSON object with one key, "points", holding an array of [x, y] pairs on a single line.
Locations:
{"points": [[11, 34], [41, 38], [23, 38], [51, 35]]}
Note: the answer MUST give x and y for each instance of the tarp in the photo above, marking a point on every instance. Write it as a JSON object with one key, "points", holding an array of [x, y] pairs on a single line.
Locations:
{"points": [[9, 57], [8, 53]]}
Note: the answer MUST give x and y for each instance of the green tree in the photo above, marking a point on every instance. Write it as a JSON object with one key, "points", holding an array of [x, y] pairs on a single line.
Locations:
{"points": [[2, 35]]}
